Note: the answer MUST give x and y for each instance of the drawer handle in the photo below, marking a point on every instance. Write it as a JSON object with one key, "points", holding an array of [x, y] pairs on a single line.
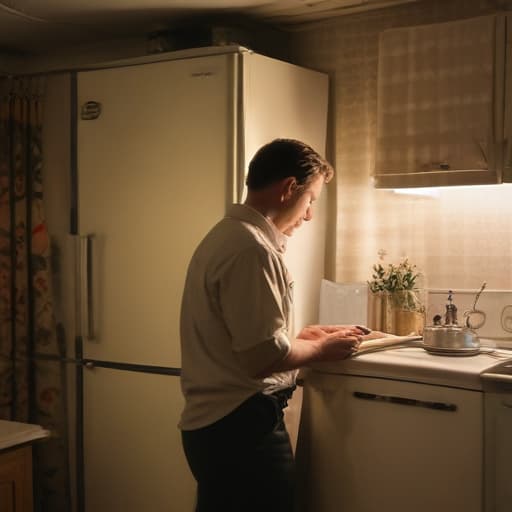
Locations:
{"points": [[438, 406]]}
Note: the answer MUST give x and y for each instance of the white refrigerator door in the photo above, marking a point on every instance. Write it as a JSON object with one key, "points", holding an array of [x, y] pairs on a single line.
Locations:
{"points": [[133, 459], [154, 174], [282, 100]]}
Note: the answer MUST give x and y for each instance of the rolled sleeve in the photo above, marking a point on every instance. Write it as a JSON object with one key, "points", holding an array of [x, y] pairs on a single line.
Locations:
{"points": [[260, 357]]}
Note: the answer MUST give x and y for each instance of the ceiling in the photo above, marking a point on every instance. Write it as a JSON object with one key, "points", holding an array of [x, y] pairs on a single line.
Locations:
{"points": [[39, 26]]}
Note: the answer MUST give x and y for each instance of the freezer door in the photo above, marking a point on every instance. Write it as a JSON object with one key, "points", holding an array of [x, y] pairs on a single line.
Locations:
{"points": [[153, 165], [133, 457]]}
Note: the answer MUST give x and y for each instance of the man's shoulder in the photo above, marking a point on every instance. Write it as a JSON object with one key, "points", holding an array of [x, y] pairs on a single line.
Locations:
{"points": [[234, 234], [229, 241]]}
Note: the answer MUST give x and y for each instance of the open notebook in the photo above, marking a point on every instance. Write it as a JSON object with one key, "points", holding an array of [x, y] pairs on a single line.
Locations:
{"points": [[387, 343]]}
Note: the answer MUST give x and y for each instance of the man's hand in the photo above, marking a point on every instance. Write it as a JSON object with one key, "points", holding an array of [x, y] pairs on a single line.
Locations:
{"points": [[315, 332], [320, 343], [333, 342]]}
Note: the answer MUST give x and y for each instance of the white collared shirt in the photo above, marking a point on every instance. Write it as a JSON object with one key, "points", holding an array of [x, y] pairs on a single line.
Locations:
{"points": [[235, 316]]}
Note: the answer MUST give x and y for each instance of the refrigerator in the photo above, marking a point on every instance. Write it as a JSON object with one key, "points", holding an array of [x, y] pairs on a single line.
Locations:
{"points": [[142, 158]]}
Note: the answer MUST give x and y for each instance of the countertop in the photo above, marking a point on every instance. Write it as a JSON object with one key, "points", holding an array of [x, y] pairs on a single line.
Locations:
{"points": [[13, 433], [414, 364]]}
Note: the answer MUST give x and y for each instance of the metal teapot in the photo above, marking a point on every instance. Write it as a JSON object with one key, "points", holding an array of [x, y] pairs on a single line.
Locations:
{"points": [[450, 338]]}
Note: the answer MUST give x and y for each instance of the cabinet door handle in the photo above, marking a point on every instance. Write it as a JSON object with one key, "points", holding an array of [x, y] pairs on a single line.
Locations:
{"points": [[439, 406]]}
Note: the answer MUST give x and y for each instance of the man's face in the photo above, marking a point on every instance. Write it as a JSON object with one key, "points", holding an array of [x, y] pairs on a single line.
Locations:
{"points": [[299, 206]]}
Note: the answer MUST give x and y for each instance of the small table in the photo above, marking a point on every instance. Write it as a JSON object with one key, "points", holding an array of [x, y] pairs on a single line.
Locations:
{"points": [[16, 440]]}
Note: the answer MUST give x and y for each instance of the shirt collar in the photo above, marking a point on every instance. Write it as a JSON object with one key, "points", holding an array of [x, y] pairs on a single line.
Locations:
{"points": [[248, 214]]}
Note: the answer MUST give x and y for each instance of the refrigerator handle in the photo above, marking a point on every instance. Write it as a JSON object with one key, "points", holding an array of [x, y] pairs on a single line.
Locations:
{"points": [[86, 284]]}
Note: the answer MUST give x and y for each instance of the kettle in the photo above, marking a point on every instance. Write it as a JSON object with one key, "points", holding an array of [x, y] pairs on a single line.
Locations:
{"points": [[450, 338]]}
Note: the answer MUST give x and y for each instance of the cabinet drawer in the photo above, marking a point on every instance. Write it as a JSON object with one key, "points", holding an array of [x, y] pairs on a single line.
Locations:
{"points": [[16, 480]]}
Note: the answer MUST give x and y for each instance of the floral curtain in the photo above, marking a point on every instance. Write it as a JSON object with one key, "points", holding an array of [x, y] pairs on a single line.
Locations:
{"points": [[32, 372]]}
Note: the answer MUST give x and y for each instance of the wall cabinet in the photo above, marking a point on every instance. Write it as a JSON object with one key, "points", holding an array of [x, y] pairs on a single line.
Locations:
{"points": [[16, 480], [373, 445], [443, 117]]}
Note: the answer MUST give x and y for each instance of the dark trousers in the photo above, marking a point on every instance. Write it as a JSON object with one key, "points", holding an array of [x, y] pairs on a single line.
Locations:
{"points": [[244, 462]]}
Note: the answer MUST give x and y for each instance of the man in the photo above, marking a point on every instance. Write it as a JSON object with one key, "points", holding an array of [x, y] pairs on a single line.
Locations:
{"points": [[238, 361]]}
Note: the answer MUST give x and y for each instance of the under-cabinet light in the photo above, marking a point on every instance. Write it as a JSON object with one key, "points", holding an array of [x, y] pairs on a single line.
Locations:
{"points": [[418, 191]]}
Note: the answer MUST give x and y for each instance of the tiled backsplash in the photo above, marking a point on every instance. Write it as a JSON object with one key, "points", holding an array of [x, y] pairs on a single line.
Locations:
{"points": [[346, 303]]}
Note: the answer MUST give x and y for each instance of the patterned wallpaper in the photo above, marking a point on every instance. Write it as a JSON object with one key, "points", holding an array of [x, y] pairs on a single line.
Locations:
{"points": [[459, 237]]}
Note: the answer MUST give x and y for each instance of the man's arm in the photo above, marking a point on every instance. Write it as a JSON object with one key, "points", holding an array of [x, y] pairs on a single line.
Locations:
{"points": [[318, 343]]}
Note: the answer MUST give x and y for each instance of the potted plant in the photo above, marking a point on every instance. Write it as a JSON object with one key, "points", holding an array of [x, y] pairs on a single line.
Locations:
{"points": [[395, 303]]}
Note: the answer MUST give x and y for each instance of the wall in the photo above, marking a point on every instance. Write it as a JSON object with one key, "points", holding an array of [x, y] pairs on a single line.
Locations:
{"points": [[77, 56], [259, 37], [459, 237], [10, 64]]}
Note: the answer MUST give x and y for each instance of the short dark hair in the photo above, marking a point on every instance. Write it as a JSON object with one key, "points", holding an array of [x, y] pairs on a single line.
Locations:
{"points": [[283, 158]]}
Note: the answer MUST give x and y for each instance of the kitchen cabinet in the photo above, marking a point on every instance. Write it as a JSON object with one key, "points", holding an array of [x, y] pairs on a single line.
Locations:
{"points": [[16, 464], [442, 114], [372, 444], [16, 479]]}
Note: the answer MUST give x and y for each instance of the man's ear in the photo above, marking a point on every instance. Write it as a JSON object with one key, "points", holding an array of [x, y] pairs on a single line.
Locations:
{"points": [[288, 187]]}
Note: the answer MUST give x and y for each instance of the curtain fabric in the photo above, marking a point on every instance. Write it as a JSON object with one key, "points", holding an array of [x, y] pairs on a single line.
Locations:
{"points": [[32, 375]]}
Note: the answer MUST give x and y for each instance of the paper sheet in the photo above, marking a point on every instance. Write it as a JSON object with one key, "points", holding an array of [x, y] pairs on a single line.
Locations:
{"points": [[387, 342]]}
